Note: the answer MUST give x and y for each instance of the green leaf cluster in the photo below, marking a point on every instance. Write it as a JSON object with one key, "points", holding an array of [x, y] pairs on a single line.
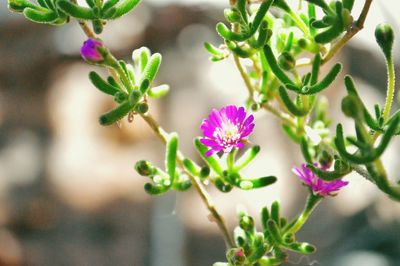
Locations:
{"points": [[130, 85], [225, 174], [267, 247], [171, 177], [44, 11]]}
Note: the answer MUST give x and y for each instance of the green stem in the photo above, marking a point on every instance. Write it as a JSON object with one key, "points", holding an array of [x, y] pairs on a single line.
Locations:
{"points": [[217, 217], [392, 191], [230, 160], [286, 118], [162, 134], [354, 29], [311, 203], [390, 89], [245, 78], [300, 24]]}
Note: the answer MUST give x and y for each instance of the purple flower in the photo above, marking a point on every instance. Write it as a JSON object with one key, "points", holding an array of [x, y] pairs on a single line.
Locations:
{"points": [[320, 187], [89, 50], [226, 128]]}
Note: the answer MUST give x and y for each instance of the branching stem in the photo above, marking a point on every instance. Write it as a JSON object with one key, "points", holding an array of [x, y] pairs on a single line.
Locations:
{"points": [[354, 29], [311, 203], [163, 135]]}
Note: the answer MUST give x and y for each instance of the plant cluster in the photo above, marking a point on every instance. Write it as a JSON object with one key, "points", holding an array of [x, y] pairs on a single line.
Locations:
{"points": [[278, 40]]}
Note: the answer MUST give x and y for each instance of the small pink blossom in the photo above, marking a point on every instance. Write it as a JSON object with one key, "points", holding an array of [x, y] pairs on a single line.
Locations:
{"points": [[320, 187], [226, 128]]}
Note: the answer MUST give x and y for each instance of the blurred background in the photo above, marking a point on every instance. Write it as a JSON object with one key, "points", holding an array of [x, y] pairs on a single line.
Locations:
{"points": [[69, 194]]}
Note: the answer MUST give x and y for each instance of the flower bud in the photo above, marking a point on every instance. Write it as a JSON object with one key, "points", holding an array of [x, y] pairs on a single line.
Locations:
{"points": [[142, 108], [289, 238], [144, 168], [89, 51], [236, 256], [232, 15], [247, 223], [204, 172], [351, 107], [384, 36], [255, 107], [286, 61], [325, 160], [341, 166], [120, 97], [302, 43]]}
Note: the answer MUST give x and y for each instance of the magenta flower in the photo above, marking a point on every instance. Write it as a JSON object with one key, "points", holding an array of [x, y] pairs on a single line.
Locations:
{"points": [[89, 50], [226, 128], [320, 187]]}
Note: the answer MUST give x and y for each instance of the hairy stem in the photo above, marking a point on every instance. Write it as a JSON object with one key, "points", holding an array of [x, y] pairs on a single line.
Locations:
{"points": [[354, 29], [390, 89], [358, 169]]}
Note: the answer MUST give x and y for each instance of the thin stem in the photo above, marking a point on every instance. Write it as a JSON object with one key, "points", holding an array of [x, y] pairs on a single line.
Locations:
{"points": [[300, 24], [378, 162], [86, 29], [283, 116], [389, 95], [381, 168], [245, 78], [311, 203], [230, 160], [242, 72], [88, 32], [354, 29], [256, 66], [159, 131], [162, 135], [391, 191], [390, 89]]}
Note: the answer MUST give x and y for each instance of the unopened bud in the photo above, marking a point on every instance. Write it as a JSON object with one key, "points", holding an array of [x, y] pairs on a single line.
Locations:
{"points": [[286, 61], [384, 37], [89, 51], [232, 15], [144, 168], [142, 108]]}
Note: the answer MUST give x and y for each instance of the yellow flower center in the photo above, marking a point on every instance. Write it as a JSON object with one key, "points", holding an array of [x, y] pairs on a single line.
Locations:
{"points": [[228, 133]]}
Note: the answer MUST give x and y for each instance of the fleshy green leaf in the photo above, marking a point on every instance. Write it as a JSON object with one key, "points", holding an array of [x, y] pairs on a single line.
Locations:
{"points": [[45, 16], [76, 11], [151, 68], [212, 160], [170, 162], [101, 84], [279, 73], [124, 7], [325, 83], [115, 114]]}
